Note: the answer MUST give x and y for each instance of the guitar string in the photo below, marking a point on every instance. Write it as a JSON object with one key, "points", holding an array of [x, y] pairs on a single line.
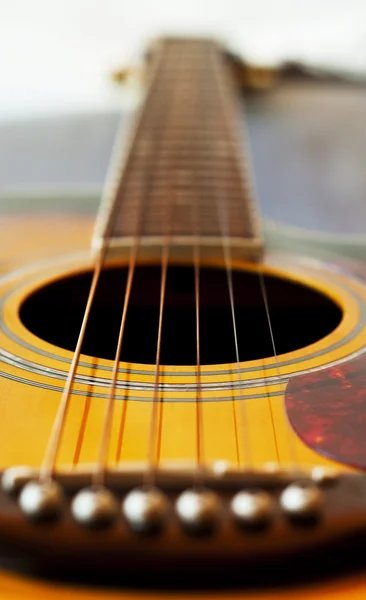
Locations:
{"points": [[268, 316], [154, 440], [227, 260], [198, 400], [157, 413], [269, 322], [247, 451], [50, 456], [53, 445], [156, 423], [225, 235], [156, 419], [105, 440], [102, 457], [290, 439], [58, 425], [102, 454], [156, 416], [195, 217]]}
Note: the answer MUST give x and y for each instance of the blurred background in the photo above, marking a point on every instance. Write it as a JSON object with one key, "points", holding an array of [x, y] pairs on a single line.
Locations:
{"points": [[59, 105]]}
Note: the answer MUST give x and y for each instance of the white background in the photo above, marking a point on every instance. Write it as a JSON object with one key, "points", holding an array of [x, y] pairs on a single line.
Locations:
{"points": [[56, 55]]}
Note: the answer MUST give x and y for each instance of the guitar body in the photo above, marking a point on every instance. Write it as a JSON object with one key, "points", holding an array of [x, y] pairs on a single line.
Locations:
{"points": [[281, 410], [306, 147], [23, 261]]}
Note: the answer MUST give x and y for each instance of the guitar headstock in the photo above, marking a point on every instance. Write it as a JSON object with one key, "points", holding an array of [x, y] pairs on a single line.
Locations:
{"points": [[247, 75]]}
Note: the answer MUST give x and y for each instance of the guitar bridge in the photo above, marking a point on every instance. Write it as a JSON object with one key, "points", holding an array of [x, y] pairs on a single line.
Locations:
{"points": [[215, 514]]}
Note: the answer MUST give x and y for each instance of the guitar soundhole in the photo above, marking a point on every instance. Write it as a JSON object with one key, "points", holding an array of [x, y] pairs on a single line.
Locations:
{"points": [[300, 316]]}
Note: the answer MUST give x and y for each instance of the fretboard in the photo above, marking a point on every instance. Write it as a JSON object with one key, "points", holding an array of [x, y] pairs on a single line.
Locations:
{"points": [[184, 176]]}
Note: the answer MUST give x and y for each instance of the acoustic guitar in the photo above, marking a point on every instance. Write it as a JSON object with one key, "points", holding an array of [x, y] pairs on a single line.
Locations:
{"points": [[182, 410]]}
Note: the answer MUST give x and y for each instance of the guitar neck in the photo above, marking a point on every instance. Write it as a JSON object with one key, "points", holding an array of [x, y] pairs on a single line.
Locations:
{"points": [[183, 178]]}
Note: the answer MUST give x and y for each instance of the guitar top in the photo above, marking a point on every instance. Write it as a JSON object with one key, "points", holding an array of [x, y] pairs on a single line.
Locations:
{"points": [[182, 408]]}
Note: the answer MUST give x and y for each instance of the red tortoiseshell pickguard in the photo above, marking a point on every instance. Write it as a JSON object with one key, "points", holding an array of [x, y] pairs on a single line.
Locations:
{"points": [[327, 408]]}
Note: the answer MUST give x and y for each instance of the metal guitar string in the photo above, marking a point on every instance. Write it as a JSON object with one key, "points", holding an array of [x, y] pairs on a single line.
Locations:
{"points": [[56, 433], [102, 455], [266, 306], [195, 215], [225, 235], [198, 400], [156, 416], [107, 426], [291, 439], [50, 456], [156, 422]]}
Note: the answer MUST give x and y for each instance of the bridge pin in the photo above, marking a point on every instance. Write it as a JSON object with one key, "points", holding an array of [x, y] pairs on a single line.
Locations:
{"points": [[199, 511], [252, 509], [145, 510], [220, 467], [324, 475], [301, 502], [42, 500], [95, 508], [15, 478]]}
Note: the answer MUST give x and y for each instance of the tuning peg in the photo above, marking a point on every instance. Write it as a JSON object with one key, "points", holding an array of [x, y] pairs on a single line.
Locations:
{"points": [[127, 75]]}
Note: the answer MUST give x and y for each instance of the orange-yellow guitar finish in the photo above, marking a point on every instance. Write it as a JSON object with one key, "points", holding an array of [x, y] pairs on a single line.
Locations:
{"points": [[235, 416], [27, 412]]}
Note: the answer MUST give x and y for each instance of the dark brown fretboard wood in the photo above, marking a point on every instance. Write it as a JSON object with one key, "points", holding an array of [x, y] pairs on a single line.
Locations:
{"points": [[184, 176]]}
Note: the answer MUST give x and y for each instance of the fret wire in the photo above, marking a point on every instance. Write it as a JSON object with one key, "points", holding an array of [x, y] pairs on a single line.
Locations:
{"points": [[140, 125], [213, 148], [160, 81]]}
